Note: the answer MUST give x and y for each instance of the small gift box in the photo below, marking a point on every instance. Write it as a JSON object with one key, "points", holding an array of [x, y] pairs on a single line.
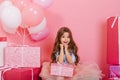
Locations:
{"points": [[114, 71], [65, 70], [22, 74], [22, 56]]}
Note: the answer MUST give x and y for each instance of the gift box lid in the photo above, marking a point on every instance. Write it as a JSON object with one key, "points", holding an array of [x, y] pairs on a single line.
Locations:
{"points": [[115, 67]]}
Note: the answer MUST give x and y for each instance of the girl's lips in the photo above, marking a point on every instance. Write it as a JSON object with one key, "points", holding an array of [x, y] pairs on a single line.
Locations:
{"points": [[65, 42]]}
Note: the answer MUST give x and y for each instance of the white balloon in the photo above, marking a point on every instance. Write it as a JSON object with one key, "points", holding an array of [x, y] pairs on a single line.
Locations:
{"points": [[40, 36], [11, 17], [38, 28], [4, 4], [9, 30]]}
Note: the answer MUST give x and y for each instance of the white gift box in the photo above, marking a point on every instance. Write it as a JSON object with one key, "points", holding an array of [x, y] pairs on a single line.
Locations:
{"points": [[3, 44]]}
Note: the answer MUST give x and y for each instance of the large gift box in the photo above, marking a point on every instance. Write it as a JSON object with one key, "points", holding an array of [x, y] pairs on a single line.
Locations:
{"points": [[22, 56], [62, 69], [3, 44], [114, 71], [113, 40], [22, 74]]}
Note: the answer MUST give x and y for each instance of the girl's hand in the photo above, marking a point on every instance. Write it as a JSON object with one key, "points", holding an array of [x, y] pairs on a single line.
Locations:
{"points": [[66, 47], [61, 46]]}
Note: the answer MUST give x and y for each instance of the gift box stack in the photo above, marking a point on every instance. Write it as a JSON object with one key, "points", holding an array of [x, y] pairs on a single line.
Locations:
{"points": [[19, 62], [113, 47]]}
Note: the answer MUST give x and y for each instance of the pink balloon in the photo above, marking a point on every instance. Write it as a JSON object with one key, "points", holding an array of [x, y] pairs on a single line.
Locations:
{"points": [[44, 3], [21, 3], [41, 35], [32, 15]]}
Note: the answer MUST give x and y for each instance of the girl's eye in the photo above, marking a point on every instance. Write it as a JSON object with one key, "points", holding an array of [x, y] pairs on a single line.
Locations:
{"points": [[68, 37], [63, 36]]}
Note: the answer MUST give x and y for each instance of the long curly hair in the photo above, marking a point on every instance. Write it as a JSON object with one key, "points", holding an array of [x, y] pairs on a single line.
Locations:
{"points": [[71, 46]]}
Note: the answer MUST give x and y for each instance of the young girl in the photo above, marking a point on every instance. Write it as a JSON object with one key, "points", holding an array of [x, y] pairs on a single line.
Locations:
{"points": [[65, 51]]}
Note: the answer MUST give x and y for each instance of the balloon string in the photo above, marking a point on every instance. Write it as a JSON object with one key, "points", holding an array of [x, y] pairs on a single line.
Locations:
{"points": [[21, 34], [24, 35], [18, 33]]}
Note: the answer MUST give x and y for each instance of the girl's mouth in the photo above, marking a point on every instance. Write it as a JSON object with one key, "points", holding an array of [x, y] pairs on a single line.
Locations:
{"points": [[65, 42]]}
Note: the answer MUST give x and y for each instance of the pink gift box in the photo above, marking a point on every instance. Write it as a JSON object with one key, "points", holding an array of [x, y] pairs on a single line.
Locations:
{"points": [[22, 56], [114, 71], [62, 69], [113, 40]]}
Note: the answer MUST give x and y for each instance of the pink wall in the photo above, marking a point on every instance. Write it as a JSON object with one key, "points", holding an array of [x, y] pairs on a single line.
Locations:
{"points": [[86, 19]]}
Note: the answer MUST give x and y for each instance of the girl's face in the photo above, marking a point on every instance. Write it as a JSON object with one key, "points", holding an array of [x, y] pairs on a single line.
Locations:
{"points": [[65, 39]]}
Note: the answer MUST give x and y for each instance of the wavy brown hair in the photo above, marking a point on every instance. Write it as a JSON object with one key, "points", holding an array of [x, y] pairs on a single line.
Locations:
{"points": [[71, 46]]}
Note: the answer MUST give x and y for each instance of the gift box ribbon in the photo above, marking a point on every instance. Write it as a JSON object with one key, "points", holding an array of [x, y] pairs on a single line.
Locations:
{"points": [[114, 22], [113, 73]]}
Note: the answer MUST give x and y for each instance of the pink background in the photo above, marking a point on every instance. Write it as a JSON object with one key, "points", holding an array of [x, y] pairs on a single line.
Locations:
{"points": [[87, 21]]}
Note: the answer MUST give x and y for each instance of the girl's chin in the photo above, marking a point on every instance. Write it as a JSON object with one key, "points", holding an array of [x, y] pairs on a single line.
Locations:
{"points": [[65, 44]]}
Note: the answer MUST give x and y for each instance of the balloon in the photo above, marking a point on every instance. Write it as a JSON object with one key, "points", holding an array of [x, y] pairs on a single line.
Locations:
{"points": [[8, 29], [38, 28], [4, 4], [21, 3], [24, 26], [44, 3], [10, 18], [32, 15], [1, 1], [41, 35]]}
